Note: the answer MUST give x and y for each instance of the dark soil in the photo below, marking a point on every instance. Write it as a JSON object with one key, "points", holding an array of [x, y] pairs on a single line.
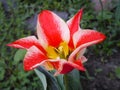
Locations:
{"points": [[102, 73]]}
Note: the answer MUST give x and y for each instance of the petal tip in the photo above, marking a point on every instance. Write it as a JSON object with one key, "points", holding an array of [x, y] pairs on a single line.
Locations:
{"points": [[103, 37], [83, 69], [81, 10]]}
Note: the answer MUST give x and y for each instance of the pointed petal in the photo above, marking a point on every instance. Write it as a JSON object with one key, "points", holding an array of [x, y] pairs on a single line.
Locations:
{"points": [[33, 58], [86, 36], [65, 66], [26, 43], [51, 29], [83, 39], [73, 25]]}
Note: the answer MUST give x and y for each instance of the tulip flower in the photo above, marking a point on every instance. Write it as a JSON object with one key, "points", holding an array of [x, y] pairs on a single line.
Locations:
{"points": [[59, 45]]}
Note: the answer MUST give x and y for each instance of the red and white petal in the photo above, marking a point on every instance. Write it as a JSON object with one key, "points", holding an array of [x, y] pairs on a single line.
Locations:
{"points": [[83, 59], [73, 25], [33, 58], [66, 67], [51, 29], [87, 36], [81, 53], [26, 43]]}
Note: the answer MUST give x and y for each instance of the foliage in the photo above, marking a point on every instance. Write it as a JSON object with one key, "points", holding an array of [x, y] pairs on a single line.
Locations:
{"points": [[70, 81], [104, 21], [13, 26]]}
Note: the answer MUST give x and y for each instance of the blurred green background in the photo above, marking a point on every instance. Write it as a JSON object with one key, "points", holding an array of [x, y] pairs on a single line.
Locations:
{"points": [[17, 20]]}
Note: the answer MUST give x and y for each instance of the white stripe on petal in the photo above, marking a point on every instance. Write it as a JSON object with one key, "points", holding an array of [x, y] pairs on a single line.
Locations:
{"points": [[41, 36]]}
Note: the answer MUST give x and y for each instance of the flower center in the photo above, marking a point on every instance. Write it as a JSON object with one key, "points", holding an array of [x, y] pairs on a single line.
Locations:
{"points": [[62, 51]]}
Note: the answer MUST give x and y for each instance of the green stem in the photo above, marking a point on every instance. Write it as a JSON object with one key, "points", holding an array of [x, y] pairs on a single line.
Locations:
{"points": [[66, 82], [72, 81], [102, 9]]}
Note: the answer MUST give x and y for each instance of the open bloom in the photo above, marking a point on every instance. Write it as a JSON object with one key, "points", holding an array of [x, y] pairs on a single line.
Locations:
{"points": [[59, 45]]}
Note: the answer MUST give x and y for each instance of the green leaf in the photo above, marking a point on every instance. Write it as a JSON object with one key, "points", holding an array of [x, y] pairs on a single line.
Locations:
{"points": [[51, 80], [42, 78], [72, 81], [19, 55], [60, 81]]}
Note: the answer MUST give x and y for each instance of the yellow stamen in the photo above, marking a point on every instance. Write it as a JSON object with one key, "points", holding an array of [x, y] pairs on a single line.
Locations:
{"points": [[63, 48], [51, 53]]}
